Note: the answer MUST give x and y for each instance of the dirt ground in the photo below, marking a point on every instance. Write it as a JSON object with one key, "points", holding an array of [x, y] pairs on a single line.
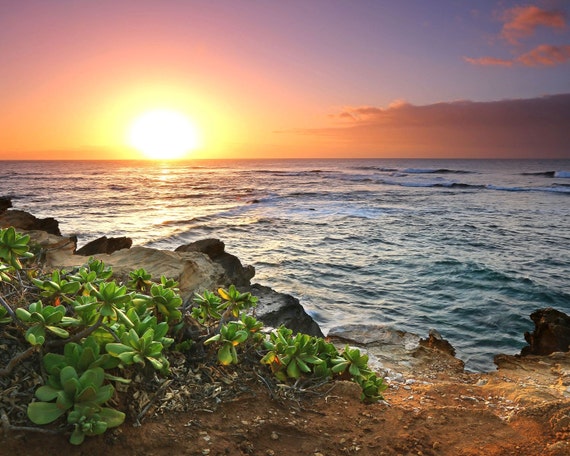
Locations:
{"points": [[522, 409]]}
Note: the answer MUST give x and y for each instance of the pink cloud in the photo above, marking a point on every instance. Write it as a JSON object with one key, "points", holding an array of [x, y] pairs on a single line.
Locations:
{"points": [[543, 55], [489, 61], [535, 127], [546, 54], [522, 21]]}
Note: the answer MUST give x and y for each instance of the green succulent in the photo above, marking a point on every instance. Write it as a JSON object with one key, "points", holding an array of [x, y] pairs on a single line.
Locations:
{"points": [[83, 396], [4, 316], [56, 287], [112, 300], [372, 388], [230, 336], [91, 275], [166, 302], [81, 356], [5, 269], [135, 349], [291, 356], [139, 280], [352, 360], [14, 247], [208, 307], [41, 319], [236, 302]]}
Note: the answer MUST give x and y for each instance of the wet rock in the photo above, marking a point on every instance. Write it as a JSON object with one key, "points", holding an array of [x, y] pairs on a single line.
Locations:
{"points": [[275, 309], [5, 204], [22, 220], [436, 342], [236, 273], [105, 245], [551, 333]]}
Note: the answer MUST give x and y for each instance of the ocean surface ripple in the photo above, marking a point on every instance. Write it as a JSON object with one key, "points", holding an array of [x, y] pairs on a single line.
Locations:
{"points": [[469, 248]]}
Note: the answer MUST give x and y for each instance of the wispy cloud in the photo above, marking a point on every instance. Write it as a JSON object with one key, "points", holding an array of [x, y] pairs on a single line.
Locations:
{"points": [[546, 54], [489, 61], [543, 55], [522, 22], [505, 128]]}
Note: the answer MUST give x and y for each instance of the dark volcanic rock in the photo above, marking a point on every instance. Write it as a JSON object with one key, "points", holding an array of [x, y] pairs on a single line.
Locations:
{"points": [[551, 333], [5, 203], [25, 221], [237, 274], [105, 245], [275, 309]]}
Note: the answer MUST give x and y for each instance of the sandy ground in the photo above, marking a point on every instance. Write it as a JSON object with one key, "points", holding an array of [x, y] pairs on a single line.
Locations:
{"points": [[434, 409]]}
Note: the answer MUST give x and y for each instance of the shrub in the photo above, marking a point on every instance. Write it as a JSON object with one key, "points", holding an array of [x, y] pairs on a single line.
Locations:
{"points": [[94, 330]]}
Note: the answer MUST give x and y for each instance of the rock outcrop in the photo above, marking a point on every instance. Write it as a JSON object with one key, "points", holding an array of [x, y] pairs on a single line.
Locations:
{"points": [[436, 342], [22, 220], [105, 245], [235, 272], [275, 309], [551, 333], [5, 204], [200, 266]]}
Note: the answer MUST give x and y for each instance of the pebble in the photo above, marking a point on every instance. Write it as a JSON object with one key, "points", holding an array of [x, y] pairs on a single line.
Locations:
{"points": [[274, 436]]}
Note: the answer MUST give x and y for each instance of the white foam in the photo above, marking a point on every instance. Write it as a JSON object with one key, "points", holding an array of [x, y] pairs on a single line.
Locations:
{"points": [[562, 174]]}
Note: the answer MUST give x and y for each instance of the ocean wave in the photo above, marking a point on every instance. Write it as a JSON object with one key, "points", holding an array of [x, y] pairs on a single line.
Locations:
{"points": [[375, 168], [435, 171], [432, 184], [554, 189], [562, 174], [540, 173]]}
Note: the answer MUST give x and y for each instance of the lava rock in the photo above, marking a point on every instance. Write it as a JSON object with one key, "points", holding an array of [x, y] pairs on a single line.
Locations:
{"points": [[551, 333], [275, 309], [5, 204], [105, 245]]}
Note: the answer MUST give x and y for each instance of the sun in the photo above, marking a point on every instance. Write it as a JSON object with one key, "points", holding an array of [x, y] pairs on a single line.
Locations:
{"points": [[163, 134]]}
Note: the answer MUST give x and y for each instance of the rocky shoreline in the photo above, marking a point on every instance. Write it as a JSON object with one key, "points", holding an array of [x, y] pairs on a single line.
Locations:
{"points": [[422, 373]]}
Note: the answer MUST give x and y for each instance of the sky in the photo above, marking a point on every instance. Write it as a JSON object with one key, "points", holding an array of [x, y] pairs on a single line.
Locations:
{"points": [[288, 79]]}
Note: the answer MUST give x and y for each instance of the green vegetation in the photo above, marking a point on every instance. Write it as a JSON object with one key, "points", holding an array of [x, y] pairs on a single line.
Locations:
{"points": [[93, 332]]}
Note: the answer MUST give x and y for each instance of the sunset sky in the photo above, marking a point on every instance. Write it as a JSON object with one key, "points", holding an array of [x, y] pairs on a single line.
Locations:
{"points": [[295, 78]]}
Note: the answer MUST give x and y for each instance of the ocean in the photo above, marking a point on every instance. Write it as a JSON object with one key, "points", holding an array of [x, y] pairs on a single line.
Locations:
{"points": [[467, 247]]}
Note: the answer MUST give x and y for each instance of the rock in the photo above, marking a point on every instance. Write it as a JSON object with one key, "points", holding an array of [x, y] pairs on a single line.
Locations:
{"points": [[275, 309], [436, 342], [396, 353], [551, 333], [105, 245], [22, 220], [193, 270], [236, 273], [50, 242], [5, 204]]}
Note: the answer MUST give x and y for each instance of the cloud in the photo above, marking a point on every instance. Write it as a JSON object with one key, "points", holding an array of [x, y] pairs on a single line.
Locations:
{"points": [[489, 61], [522, 21], [546, 54], [542, 55], [535, 127]]}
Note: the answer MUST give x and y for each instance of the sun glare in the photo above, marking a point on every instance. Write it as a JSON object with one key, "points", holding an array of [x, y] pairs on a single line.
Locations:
{"points": [[163, 134]]}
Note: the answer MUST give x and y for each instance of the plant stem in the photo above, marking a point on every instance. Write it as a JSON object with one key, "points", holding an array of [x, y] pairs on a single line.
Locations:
{"points": [[17, 359]]}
